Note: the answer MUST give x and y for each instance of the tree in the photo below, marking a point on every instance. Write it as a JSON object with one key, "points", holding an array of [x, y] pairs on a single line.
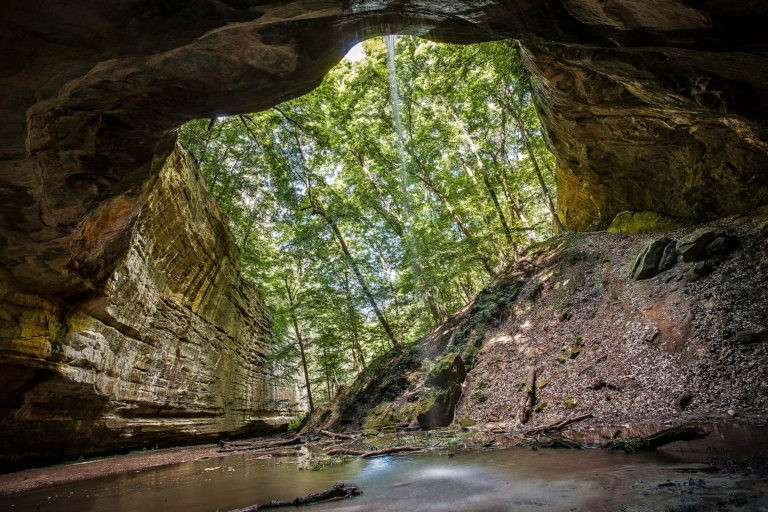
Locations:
{"points": [[371, 208]]}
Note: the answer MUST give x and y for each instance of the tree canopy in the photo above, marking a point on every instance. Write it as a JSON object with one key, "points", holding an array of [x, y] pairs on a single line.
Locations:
{"points": [[372, 208]]}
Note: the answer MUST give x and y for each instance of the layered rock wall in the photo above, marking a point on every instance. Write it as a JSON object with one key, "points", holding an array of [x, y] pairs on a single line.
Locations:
{"points": [[655, 106], [173, 349]]}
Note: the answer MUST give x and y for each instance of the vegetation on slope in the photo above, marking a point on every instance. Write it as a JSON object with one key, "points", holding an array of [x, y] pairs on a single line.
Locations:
{"points": [[371, 209]]}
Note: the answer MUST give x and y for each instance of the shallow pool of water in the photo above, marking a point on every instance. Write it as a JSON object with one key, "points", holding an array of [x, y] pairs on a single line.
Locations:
{"points": [[506, 480]]}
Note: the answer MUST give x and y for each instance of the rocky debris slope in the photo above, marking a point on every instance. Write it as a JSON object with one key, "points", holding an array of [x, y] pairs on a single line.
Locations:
{"points": [[654, 106], [682, 340], [581, 326], [172, 351]]}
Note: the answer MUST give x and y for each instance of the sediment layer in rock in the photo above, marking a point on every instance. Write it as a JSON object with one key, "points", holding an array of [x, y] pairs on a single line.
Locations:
{"points": [[172, 351]]}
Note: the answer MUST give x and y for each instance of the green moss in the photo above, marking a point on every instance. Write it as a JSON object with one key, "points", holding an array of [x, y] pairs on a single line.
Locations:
{"points": [[440, 371], [480, 393], [383, 380], [565, 309], [490, 302], [411, 411], [571, 351], [541, 406], [380, 416], [467, 422], [643, 222], [569, 402], [294, 425], [542, 384]]}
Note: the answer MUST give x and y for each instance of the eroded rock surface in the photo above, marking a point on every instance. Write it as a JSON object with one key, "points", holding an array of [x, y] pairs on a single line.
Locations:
{"points": [[655, 106], [172, 351]]}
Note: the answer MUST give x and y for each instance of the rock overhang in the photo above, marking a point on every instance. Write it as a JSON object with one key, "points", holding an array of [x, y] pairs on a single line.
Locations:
{"points": [[651, 106]]}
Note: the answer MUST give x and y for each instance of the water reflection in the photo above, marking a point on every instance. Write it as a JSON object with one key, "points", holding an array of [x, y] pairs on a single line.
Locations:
{"points": [[519, 480]]}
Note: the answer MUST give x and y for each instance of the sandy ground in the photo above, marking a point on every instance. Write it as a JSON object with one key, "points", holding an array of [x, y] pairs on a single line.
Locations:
{"points": [[78, 471]]}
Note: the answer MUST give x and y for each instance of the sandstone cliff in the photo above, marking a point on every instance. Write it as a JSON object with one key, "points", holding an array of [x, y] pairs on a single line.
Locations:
{"points": [[170, 352]]}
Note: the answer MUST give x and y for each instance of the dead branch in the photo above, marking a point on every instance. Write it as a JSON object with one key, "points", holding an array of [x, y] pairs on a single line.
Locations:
{"points": [[336, 435], [529, 399], [654, 441], [557, 426], [278, 453], [258, 445], [343, 451], [386, 451], [338, 491]]}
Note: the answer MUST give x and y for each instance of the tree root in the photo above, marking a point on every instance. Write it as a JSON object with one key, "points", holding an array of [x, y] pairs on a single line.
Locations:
{"points": [[338, 491], [657, 440], [557, 426], [529, 398]]}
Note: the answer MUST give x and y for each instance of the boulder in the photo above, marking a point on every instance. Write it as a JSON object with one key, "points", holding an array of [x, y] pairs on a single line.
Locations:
{"points": [[643, 222], [437, 405], [652, 258], [448, 370], [705, 243]]}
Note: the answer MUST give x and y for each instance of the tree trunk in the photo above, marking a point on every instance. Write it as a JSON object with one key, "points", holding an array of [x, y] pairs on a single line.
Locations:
{"points": [[394, 219], [452, 212], [358, 356], [481, 167], [539, 176], [318, 210], [300, 341]]}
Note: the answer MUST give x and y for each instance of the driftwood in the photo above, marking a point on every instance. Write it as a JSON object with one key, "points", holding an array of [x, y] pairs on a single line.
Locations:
{"points": [[343, 451], [657, 440], [338, 491], [558, 442], [529, 399], [557, 426], [336, 435], [278, 453], [387, 451], [258, 445]]}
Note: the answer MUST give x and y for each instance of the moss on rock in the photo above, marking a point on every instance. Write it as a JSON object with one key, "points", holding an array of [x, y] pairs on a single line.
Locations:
{"points": [[380, 416], [644, 222]]}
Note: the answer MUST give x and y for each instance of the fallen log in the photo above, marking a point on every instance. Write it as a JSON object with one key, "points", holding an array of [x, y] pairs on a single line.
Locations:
{"points": [[557, 426], [654, 441], [342, 451], [559, 442], [259, 445], [529, 398], [387, 451], [278, 453], [338, 491], [336, 435]]}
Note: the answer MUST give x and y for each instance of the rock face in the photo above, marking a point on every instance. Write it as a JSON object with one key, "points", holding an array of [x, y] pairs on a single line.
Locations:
{"points": [[172, 350], [655, 106], [444, 380]]}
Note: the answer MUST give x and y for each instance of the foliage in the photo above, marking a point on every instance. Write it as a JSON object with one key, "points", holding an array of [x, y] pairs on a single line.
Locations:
{"points": [[363, 239], [487, 306], [480, 393]]}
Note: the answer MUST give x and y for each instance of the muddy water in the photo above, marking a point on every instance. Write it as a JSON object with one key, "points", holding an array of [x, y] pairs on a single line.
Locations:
{"points": [[505, 480]]}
